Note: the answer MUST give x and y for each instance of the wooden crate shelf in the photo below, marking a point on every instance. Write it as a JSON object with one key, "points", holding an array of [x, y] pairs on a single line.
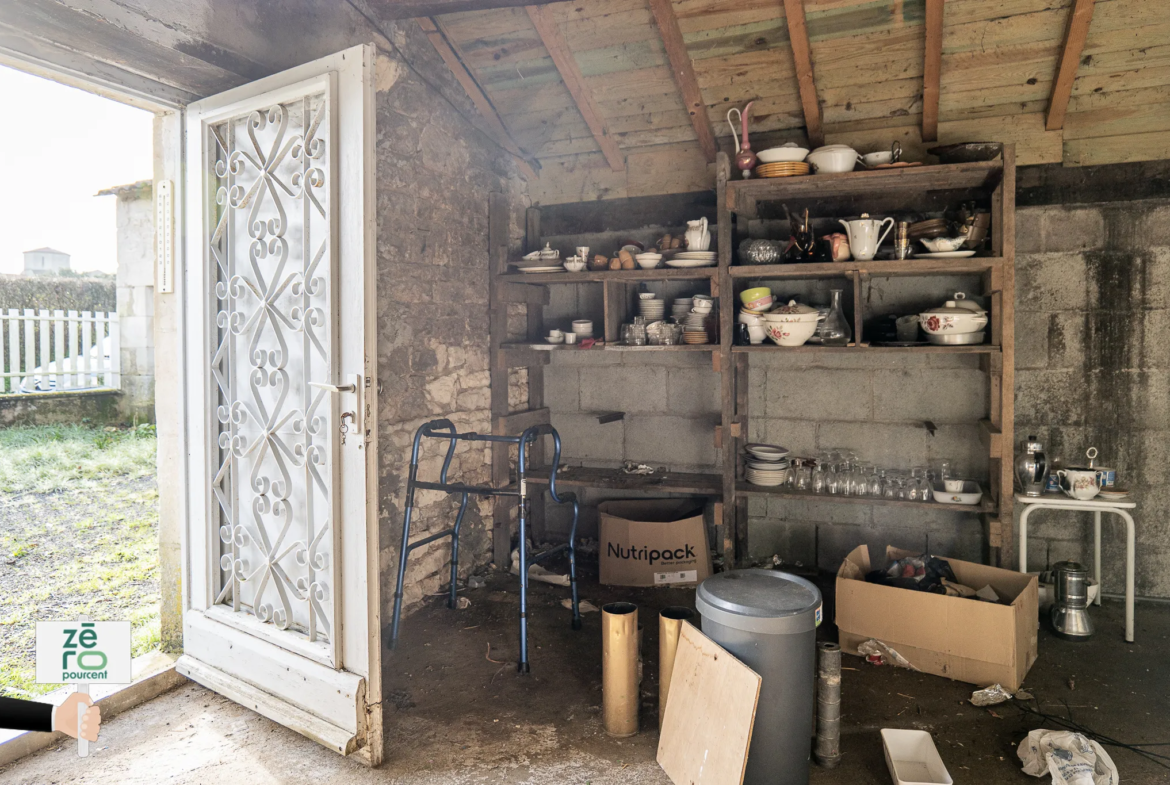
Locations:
{"points": [[986, 506], [770, 348], [626, 276], [875, 269], [616, 480], [984, 175]]}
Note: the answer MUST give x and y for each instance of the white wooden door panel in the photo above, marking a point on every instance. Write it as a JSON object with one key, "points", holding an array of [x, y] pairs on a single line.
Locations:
{"points": [[281, 536]]}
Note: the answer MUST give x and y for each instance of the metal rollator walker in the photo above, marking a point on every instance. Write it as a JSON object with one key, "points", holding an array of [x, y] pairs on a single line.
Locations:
{"points": [[445, 429]]}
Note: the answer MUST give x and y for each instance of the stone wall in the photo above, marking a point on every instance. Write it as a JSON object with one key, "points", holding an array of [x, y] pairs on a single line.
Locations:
{"points": [[434, 174], [1093, 369]]}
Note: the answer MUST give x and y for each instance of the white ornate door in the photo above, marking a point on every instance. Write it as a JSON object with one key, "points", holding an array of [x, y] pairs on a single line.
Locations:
{"points": [[282, 600]]}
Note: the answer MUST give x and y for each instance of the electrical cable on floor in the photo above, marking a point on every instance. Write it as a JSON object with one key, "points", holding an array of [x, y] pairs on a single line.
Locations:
{"points": [[1073, 725]]}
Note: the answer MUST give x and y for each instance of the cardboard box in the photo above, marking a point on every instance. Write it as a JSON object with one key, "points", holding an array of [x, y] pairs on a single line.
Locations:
{"points": [[967, 640], [653, 542]]}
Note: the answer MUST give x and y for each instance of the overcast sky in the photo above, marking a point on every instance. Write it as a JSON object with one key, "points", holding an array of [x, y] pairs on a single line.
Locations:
{"points": [[61, 146]]}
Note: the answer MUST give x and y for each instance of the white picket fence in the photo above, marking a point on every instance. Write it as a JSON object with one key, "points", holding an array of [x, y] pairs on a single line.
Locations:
{"points": [[58, 351]]}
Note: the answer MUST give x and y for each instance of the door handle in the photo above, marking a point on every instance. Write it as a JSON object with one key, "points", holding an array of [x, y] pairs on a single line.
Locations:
{"points": [[355, 386], [333, 388]]}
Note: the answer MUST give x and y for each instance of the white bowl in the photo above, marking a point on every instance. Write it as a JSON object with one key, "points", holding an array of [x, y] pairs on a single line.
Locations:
{"points": [[943, 244], [574, 267], [878, 158], [777, 154], [833, 160], [646, 295], [756, 333], [790, 333], [647, 263], [559, 337], [751, 320], [580, 325]]}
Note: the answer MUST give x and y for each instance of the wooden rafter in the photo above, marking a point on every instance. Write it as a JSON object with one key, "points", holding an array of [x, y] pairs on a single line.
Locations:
{"points": [[683, 71], [495, 126], [562, 57], [932, 69], [1070, 60], [802, 57]]}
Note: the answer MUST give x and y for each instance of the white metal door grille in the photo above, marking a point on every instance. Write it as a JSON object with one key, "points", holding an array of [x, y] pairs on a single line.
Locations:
{"points": [[272, 248]]}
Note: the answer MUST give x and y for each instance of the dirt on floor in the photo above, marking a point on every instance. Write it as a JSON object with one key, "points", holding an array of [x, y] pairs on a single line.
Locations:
{"points": [[459, 714]]}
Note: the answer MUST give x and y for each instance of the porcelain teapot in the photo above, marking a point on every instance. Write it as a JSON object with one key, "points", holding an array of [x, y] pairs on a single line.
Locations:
{"points": [[863, 235], [698, 238]]}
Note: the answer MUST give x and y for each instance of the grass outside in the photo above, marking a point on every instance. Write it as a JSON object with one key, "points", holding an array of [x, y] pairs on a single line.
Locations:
{"points": [[78, 535]]}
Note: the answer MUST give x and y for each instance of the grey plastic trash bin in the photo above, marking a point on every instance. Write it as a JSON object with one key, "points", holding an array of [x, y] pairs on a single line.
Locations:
{"points": [[768, 620]]}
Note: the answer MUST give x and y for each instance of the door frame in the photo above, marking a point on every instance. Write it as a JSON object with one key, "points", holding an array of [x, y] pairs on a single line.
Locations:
{"points": [[324, 692]]}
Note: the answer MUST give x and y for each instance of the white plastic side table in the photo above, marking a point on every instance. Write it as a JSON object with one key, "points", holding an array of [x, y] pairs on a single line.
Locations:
{"points": [[1096, 506]]}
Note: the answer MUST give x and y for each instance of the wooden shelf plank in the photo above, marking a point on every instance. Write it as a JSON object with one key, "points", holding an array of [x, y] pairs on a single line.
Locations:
{"points": [[874, 269], [987, 506], [741, 194], [633, 276], [614, 479], [610, 347], [865, 348]]}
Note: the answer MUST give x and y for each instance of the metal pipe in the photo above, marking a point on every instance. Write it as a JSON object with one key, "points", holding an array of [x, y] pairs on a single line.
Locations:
{"points": [[828, 747], [451, 600], [619, 668], [669, 627]]}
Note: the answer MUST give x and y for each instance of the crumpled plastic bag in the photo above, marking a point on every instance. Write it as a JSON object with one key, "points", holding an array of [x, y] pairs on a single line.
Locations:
{"points": [[873, 647], [990, 696], [1071, 758]]}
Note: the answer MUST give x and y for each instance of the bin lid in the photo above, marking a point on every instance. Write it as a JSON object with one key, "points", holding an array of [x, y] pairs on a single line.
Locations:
{"points": [[760, 601]]}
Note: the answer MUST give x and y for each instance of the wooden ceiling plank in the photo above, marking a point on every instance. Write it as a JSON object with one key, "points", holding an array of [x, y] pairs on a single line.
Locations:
{"points": [[558, 49], [683, 71], [495, 126], [1070, 60], [802, 57], [932, 69], [413, 9]]}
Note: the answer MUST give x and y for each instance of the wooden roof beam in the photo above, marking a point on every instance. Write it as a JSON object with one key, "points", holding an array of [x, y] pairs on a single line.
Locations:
{"points": [[932, 70], [802, 57], [446, 48], [558, 49], [683, 71], [1070, 60]]}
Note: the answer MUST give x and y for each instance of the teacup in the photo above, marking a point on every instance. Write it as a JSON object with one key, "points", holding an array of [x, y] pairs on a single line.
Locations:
{"points": [[570, 338], [1080, 484], [583, 251], [555, 336]]}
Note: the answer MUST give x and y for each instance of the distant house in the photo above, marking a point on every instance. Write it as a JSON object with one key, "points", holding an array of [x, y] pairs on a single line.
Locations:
{"points": [[45, 261]]}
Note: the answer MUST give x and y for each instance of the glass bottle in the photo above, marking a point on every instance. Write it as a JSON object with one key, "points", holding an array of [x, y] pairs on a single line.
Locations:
{"points": [[835, 330]]}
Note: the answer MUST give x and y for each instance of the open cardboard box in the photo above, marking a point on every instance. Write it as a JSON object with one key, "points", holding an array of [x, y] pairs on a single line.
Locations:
{"points": [[981, 643], [653, 542]]}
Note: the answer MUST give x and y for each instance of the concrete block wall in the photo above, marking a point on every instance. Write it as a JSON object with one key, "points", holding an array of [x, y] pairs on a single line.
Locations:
{"points": [[135, 293], [1093, 369], [434, 174]]}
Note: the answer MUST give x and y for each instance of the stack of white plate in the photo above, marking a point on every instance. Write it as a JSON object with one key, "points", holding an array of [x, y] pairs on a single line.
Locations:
{"points": [[767, 464], [553, 266], [583, 328], [652, 310], [693, 259], [681, 307]]}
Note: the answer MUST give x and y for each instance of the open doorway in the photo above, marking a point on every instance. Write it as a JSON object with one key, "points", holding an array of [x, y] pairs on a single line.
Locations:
{"points": [[79, 496]]}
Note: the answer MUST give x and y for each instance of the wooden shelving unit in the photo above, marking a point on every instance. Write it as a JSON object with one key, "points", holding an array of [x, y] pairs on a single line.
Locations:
{"points": [[926, 186]]}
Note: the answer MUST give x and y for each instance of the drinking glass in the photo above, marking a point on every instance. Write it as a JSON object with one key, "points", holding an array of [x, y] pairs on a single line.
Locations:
{"points": [[876, 481], [803, 478], [818, 478]]}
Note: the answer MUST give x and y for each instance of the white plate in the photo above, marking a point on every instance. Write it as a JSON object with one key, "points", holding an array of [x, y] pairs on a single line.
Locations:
{"points": [[528, 270], [687, 263], [695, 255], [945, 255]]}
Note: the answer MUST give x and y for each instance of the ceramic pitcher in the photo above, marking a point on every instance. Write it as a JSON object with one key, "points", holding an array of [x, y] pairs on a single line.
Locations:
{"points": [[698, 238], [863, 235]]}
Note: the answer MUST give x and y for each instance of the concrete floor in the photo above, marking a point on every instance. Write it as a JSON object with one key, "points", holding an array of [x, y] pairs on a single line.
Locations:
{"points": [[460, 715]]}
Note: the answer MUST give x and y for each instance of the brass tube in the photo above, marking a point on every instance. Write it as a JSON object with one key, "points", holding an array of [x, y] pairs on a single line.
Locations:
{"points": [[669, 626], [619, 668]]}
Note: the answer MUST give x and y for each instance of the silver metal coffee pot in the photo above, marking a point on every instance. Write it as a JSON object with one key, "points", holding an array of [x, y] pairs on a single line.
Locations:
{"points": [[1070, 614], [1032, 468]]}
